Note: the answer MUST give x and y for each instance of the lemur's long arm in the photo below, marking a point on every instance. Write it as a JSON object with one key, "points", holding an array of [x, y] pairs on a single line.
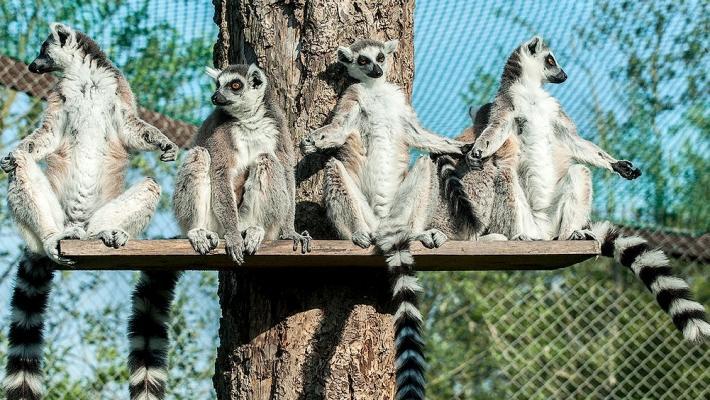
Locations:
{"points": [[45, 139], [138, 135], [346, 117], [587, 152], [495, 134], [420, 138]]}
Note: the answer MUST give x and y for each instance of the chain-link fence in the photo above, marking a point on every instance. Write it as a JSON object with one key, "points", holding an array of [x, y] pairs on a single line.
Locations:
{"points": [[637, 86]]}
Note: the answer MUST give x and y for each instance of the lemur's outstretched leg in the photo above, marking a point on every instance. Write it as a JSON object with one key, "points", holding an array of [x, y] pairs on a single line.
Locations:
{"points": [[573, 205], [125, 216], [36, 209], [192, 201], [414, 205], [347, 207]]}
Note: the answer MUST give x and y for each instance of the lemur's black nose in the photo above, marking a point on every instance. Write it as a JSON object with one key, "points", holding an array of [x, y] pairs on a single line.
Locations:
{"points": [[218, 99], [33, 67], [376, 71]]}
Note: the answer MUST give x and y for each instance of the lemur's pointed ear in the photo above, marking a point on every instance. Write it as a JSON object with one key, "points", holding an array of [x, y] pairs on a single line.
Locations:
{"points": [[345, 55], [60, 32], [472, 113], [391, 46], [534, 45], [255, 76], [213, 72]]}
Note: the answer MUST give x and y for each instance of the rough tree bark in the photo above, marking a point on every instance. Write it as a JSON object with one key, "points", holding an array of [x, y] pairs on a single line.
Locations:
{"points": [[301, 335]]}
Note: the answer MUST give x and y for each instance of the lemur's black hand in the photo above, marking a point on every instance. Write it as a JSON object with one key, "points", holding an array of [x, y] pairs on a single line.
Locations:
{"points": [[626, 169], [169, 150], [308, 145], [466, 148], [8, 163], [474, 159]]}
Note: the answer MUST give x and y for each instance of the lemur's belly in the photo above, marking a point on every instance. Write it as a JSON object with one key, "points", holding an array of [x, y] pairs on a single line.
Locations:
{"points": [[537, 167], [384, 170]]}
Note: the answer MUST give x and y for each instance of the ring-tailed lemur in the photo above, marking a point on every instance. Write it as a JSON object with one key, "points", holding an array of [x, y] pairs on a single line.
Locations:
{"points": [[238, 182], [89, 128], [497, 178], [373, 197]]}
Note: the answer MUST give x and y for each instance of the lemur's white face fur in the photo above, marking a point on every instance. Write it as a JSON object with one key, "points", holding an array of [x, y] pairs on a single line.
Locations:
{"points": [[367, 60], [539, 64], [65, 46], [240, 89]]}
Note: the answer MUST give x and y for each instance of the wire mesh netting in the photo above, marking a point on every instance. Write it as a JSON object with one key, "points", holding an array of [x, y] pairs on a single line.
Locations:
{"points": [[637, 86]]}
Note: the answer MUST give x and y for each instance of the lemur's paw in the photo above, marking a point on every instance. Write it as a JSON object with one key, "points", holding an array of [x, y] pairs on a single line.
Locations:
{"points": [[51, 248], [308, 145], [582, 234], [202, 240], [362, 239], [432, 238], [114, 237], [303, 240], [626, 169], [8, 163], [474, 159], [169, 150], [524, 237], [74, 232], [253, 237], [234, 245]]}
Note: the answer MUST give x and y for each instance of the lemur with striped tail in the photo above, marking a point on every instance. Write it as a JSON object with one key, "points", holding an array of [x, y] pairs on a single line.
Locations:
{"points": [[524, 157], [237, 182], [371, 194], [89, 128]]}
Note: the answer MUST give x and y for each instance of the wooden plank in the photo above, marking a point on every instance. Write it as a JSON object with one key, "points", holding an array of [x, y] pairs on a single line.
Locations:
{"points": [[452, 256]]}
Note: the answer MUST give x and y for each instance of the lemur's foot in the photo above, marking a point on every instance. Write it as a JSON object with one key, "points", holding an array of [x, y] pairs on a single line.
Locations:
{"points": [[113, 237], [493, 237], [202, 240], [582, 234], [362, 239], [253, 236], [432, 238], [524, 237], [51, 244], [303, 239], [234, 245]]}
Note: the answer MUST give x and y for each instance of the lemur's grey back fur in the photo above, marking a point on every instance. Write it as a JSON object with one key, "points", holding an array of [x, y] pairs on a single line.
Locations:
{"points": [[90, 127]]}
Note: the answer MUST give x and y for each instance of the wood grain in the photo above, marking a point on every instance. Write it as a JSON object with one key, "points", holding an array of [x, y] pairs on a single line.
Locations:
{"points": [[452, 256]]}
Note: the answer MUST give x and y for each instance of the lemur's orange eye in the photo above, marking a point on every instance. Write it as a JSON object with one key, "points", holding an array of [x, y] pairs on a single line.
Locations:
{"points": [[550, 60], [236, 85], [380, 58], [362, 60]]}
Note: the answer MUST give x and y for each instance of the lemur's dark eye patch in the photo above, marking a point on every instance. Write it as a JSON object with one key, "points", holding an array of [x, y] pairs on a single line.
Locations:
{"points": [[235, 85], [362, 60], [550, 60], [380, 57]]}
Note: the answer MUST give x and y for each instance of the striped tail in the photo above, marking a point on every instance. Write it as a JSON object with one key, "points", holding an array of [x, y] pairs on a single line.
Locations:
{"points": [[651, 266], [23, 374], [148, 334], [410, 364], [460, 204]]}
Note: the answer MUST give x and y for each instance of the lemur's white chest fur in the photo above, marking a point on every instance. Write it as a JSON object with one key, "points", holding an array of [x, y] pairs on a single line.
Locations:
{"points": [[91, 117], [383, 106], [252, 137], [535, 112]]}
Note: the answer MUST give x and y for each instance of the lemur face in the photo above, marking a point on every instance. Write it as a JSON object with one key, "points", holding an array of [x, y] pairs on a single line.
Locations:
{"points": [[367, 60], [539, 62], [240, 88], [55, 53]]}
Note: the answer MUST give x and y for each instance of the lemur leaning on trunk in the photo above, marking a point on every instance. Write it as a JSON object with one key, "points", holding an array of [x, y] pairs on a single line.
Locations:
{"points": [[371, 194], [89, 128], [524, 158], [237, 182]]}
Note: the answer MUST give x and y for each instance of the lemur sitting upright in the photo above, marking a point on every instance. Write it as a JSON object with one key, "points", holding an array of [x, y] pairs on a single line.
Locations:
{"points": [[541, 154], [372, 196], [237, 182], [89, 127]]}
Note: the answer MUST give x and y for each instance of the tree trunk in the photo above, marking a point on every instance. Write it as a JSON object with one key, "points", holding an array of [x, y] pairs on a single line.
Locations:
{"points": [[295, 334]]}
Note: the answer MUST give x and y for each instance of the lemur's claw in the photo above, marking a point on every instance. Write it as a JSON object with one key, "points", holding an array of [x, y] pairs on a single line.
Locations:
{"points": [[114, 237], [305, 239], [362, 239], [253, 237], [202, 240], [626, 169], [234, 246]]}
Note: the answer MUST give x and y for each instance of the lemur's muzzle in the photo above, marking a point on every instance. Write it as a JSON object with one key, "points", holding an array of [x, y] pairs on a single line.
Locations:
{"points": [[41, 66], [559, 77], [376, 71], [218, 99]]}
